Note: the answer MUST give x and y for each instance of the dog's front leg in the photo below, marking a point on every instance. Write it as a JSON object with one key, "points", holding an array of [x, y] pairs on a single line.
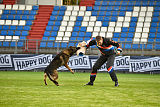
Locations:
{"points": [[66, 65]]}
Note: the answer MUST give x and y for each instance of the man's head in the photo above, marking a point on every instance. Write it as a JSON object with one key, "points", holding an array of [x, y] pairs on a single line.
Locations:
{"points": [[99, 40]]}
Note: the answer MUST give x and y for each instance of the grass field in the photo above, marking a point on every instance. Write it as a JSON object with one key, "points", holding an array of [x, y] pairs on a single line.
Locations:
{"points": [[26, 89]]}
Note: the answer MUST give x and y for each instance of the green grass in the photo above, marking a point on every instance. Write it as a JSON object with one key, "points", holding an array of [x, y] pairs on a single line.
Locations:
{"points": [[27, 89]]}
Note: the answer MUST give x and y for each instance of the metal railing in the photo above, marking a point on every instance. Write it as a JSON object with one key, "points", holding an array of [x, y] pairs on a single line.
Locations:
{"points": [[37, 47]]}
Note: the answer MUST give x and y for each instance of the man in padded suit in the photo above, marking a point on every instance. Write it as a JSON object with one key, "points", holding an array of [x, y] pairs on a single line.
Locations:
{"points": [[107, 48]]}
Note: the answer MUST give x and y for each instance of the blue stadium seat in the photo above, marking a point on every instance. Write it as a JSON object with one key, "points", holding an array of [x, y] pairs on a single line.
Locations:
{"points": [[76, 29], [123, 8], [52, 38], [154, 25], [96, 8], [6, 44], [105, 24], [149, 46], [26, 28], [156, 14], [22, 37], [61, 13], [127, 46], [74, 34], [59, 18], [116, 35], [104, 3], [134, 19], [89, 8], [50, 44], [13, 44], [157, 46], [12, 27], [4, 32], [56, 8], [57, 23], [158, 30], [86, 39], [158, 35], [26, 12], [53, 33], [78, 23], [46, 33], [73, 38], [103, 8], [64, 45], [43, 44], [20, 44], [106, 18], [55, 28], [155, 19], [130, 35], [24, 17], [48, 28], [129, 40], [94, 13], [117, 3], [132, 29], [116, 8], [10, 17], [123, 35], [6, 12], [0, 27], [81, 34], [19, 27], [124, 29], [124, 3], [83, 29], [115, 13], [71, 44], [13, 12], [45, 38], [57, 44], [79, 18], [150, 40], [157, 40], [88, 34], [135, 46], [19, 12], [121, 13], [129, 8], [152, 35], [97, 3], [138, 3], [122, 39], [100, 18], [63, 8], [4, 17], [52, 17], [10, 32], [6, 27], [131, 3], [111, 3], [35, 7], [152, 30], [54, 13], [50, 23], [30, 17], [28, 22], [115, 39], [17, 17], [24, 33], [33, 12]]}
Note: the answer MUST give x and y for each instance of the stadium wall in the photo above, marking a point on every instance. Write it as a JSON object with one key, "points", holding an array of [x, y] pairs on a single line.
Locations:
{"points": [[19, 62]]}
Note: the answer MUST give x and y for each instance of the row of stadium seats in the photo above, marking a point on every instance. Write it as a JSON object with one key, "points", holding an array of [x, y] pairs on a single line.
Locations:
{"points": [[123, 23], [18, 7]]}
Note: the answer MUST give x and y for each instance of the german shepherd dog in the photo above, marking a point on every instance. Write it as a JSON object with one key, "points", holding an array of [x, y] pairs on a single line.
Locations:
{"points": [[60, 59]]}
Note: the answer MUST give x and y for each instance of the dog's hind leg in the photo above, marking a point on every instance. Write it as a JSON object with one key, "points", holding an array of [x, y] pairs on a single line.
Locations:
{"points": [[55, 77], [45, 78]]}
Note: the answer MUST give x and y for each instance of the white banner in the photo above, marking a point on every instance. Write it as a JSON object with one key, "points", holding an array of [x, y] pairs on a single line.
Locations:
{"points": [[77, 62], [120, 62], [28, 63], [5, 61], [142, 65]]}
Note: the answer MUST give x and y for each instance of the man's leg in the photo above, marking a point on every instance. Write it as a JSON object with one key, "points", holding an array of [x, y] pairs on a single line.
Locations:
{"points": [[110, 69], [96, 66]]}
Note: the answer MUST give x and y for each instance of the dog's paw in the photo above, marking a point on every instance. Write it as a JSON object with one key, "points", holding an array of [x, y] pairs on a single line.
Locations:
{"points": [[72, 72]]}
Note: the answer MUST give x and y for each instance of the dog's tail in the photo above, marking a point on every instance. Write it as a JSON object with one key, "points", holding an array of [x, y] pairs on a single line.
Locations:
{"points": [[48, 74]]}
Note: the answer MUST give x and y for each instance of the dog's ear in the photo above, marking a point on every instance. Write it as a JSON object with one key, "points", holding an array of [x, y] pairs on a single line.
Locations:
{"points": [[70, 47]]}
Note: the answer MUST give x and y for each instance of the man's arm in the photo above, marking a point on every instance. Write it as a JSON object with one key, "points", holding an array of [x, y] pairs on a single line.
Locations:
{"points": [[114, 43], [90, 43]]}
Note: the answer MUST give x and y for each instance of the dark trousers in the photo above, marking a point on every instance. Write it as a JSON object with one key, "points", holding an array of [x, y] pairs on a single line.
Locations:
{"points": [[101, 60]]}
